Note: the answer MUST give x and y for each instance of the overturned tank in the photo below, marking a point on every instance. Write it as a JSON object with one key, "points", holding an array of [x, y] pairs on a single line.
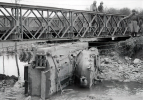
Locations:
{"points": [[51, 67], [87, 67]]}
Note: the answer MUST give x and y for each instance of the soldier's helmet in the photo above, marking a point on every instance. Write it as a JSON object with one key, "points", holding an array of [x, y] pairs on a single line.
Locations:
{"points": [[94, 2], [133, 10], [101, 2]]}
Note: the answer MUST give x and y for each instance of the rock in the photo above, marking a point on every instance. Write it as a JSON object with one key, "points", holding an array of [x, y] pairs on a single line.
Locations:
{"points": [[10, 82], [120, 68], [127, 58], [113, 54], [126, 80], [107, 60], [115, 63], [116, 70], [28, 98], [97, 97], [3, 89], [11, 98], [18, 85], [103, 65], [101, 60], [137, 61], [91, 97], [119, 62]]}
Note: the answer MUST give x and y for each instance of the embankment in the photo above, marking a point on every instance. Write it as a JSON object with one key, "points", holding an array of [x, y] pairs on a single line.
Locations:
{"points": [[125, 62]]}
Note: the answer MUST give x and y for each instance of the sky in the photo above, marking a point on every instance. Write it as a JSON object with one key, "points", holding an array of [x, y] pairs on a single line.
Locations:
{"points": [[83, 4]]}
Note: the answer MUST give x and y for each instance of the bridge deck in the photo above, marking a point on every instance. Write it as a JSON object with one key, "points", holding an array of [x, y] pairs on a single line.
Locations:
{"points": [[9, 46]]}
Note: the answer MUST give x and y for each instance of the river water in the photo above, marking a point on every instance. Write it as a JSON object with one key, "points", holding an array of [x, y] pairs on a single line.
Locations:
{"points": [[10, 67], [107, 90]]}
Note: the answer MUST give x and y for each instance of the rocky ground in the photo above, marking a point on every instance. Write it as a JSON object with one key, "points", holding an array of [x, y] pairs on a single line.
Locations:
{"points": [[12, 93], [12, 90], [123, 69]]}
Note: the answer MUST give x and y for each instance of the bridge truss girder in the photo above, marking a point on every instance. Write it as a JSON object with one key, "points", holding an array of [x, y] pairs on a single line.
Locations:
{"points": [[37, 22]]}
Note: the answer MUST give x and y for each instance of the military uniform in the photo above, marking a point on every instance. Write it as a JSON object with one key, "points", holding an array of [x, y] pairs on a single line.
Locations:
{"points": [[134, 28], [93, 7], [100, 8]]}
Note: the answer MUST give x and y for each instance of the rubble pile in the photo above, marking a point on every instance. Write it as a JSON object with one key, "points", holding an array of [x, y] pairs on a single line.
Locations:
{"points": [[125, 69], [9, 80], [11, 90]]}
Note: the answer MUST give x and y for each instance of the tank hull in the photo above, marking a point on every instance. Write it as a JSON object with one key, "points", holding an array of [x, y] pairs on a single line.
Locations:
{"points": [[51, 68], [87, 67]]}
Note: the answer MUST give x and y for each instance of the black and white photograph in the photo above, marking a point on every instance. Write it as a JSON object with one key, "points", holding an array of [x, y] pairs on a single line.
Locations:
{"points": [[71, 49]]}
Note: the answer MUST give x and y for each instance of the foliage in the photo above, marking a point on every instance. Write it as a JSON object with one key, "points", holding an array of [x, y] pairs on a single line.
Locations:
{"points": [[141, 13], [130, 47], [125, 11], [122, 11], [112, 11]]}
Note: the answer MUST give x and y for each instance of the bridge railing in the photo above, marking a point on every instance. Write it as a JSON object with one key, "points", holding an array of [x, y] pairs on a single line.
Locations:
{"points": [[38, 22]]}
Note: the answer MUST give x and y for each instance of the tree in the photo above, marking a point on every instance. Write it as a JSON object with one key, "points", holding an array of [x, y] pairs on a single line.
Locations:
{"points": [[141, 13], [125, 11], [113, 11], [16, 59]]}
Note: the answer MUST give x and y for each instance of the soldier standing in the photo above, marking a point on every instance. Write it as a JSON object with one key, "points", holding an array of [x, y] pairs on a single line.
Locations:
{"points": [[93, 7], [134, 28], [100, 7]]}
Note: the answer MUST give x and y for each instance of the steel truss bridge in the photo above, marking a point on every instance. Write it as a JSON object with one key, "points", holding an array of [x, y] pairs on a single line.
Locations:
{"points": [[18, 21]]}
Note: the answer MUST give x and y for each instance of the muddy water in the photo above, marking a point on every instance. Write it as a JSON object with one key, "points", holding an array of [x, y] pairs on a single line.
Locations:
{"points": [[108, 90], [10, 66]]}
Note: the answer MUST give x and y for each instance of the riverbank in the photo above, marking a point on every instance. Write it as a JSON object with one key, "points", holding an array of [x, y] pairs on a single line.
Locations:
{"points": [[123, 69], [124, 61], [106, 90]]}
